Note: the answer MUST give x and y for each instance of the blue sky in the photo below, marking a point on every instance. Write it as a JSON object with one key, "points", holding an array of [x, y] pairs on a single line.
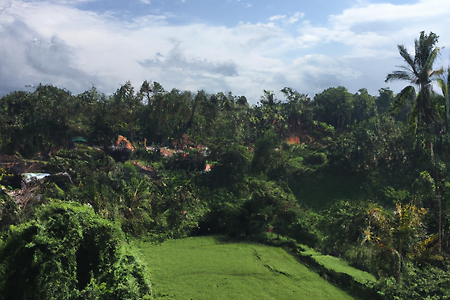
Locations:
{"points": [[242, 46]]}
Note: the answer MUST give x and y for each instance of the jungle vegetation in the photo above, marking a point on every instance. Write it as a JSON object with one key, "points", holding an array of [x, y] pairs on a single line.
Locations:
{"points": [[358, 176]]}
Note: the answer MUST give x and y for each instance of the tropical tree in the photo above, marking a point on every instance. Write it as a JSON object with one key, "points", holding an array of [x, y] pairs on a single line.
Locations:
{"points": [[419, 72], [267, 115], [124, 104], [334, 106], [364, 106], [33, 122], [384, 100], [16, 110], [399, 235], [444, 84], [298, 109], [150, 91]]}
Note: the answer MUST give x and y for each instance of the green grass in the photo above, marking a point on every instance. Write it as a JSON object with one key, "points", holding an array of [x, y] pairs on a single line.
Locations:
{"points": [[340, 266], [216, 268]]}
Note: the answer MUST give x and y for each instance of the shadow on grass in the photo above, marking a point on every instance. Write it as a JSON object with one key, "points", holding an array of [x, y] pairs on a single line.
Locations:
{"points": [[220, 239]]}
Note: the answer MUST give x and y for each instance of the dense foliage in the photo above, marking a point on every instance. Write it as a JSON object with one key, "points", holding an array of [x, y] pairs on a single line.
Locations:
{"points": [[357, 176], [68, 252]]}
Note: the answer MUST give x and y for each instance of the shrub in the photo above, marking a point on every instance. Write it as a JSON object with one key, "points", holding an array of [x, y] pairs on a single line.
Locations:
{"points": [[68, 252], [8, 211]]}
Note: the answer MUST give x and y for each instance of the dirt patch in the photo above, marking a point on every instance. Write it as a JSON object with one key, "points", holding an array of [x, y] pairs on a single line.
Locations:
{"points": [[23, 196], [300, 136], [146, 169], [293, 139]]}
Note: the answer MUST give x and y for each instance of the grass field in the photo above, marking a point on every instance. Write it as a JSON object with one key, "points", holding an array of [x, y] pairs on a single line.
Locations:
{"points": [[215, 268], [339, 265]]}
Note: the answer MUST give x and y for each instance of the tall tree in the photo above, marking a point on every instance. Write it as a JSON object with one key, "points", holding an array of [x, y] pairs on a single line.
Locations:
{"points": [[444, 83], [334, 106], [363, 106], [125, 103], [297, 109], [149, 91], [397, 234], [384, 100], [419, 72]]}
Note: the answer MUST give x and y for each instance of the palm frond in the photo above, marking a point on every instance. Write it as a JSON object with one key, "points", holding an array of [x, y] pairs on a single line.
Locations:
{"points": [[430, 61], [407, 57], [398, 75], [442, 84], [425, 51], [435, 73]]}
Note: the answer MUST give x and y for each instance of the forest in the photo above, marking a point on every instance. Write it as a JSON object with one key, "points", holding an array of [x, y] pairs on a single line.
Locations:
{"points": [[361, 177]]}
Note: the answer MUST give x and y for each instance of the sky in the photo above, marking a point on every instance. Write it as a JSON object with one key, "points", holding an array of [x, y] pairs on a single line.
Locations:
{"points": [[238, 46]]}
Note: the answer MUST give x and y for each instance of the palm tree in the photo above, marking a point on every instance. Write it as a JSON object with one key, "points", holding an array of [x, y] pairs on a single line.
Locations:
{"points": [[419, 72], [444, 83]]}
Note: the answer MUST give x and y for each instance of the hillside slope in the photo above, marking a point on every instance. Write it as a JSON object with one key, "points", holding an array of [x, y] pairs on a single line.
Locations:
{"points": [[215, 268]]}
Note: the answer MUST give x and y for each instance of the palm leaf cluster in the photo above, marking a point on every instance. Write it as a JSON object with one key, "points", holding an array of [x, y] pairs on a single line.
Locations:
{"points": [[419, 72]]}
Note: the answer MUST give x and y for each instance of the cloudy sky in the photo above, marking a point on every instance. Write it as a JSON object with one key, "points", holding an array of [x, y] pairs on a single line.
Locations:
{"points": [[242, 46]]}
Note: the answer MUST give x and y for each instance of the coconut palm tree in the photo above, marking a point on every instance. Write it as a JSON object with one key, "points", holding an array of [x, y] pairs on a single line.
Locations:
{"points": [[444, 83], [419, 72]]}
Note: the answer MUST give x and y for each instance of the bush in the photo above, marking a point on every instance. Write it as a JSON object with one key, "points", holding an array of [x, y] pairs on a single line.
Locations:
{"points": [[68, 252], [8, 211], [426, 282]]}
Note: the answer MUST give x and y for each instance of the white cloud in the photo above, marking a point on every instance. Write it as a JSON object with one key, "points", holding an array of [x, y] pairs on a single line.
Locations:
{"points": [[287, 20], [277, 17], [387, 12], [146, 1], [176, 61], [45, 41], [369, 30], [295, 17], [5, 4]]}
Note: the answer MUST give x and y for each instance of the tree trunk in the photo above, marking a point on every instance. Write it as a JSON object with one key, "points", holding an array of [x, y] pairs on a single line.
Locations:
{"points": [[438, 198], [447, 100], [447, 108], [399, 269]]}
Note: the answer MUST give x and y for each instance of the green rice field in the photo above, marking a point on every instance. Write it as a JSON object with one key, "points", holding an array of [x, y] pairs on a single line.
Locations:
{"points": [[216, 268]]}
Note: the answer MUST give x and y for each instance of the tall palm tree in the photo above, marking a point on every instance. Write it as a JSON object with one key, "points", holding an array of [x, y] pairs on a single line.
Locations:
{"points": [[419, 72], [444, 83]]}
